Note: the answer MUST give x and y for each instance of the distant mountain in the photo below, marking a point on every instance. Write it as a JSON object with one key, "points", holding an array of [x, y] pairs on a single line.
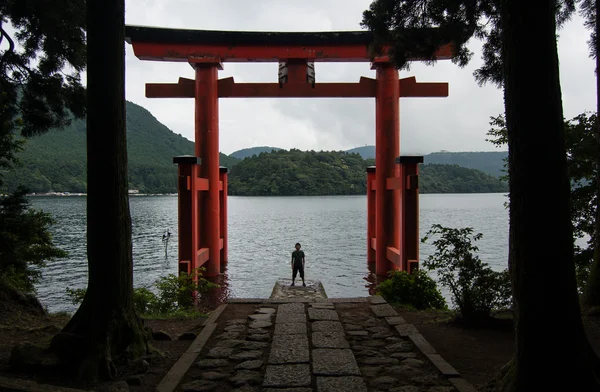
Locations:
{"points": [[490, 162], [248, 152], [367, 152], [56, 161]]}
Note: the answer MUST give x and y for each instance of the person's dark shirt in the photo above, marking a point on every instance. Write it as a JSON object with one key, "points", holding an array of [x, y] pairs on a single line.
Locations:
{"points": [[298, 256]]}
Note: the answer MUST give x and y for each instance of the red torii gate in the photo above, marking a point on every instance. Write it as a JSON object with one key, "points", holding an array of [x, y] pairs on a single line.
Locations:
{"points": [[392, 189]]}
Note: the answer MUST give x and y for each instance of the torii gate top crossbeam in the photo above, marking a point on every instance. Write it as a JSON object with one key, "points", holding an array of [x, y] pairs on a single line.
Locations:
{"points": [[164, 44]]}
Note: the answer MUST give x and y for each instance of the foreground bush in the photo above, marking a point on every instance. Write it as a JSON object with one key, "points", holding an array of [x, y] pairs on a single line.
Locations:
{"points": [[476, 289], [25, 242], [173, 294], [416, 290]]}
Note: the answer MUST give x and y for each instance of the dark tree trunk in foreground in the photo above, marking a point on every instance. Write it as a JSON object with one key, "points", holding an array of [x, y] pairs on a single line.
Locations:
{"points": [[591, 296], [552, 349], [106, 325]]}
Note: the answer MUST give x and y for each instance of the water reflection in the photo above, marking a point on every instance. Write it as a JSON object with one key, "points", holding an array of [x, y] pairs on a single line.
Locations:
{"points": [[262, 234]]}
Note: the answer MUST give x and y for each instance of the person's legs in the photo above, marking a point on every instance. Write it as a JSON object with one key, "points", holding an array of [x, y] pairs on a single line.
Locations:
{"points": [[302, 276], [295, 271]]}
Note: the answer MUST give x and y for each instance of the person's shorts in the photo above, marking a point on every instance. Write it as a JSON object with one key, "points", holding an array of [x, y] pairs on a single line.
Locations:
{"points": [[298, 268]]}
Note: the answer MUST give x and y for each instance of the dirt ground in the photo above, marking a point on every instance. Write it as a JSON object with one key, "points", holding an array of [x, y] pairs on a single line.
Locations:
{"points": [[18, 325], [477, 354]]}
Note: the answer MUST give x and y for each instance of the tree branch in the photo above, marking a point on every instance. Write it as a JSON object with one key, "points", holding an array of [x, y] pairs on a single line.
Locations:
{"points": [[11, 44]]}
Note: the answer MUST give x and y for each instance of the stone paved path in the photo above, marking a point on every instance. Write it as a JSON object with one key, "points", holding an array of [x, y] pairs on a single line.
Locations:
{"points": [[284, 290], [323, 346]]}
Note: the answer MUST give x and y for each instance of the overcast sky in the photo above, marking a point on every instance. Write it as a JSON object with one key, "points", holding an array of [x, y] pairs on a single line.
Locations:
{"points": [[456, 123]]}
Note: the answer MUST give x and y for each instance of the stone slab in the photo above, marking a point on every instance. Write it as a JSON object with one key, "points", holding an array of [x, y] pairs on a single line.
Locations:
{"points": [[266, 311], [289, 349], [322, 306], [349, 300], [406, 329], [384, 310], [287, 390], [334, 362], [260, 317], [285, 376], [395, 320], [290, 308], [339, 384], [258, 324], [322, 314], [290, 329], [329, 340], [178, 370], [462, 385], [423, 345], [377, 300], [212, 318], [357, 333], [327, 326], [444, 367], [288, 317]]}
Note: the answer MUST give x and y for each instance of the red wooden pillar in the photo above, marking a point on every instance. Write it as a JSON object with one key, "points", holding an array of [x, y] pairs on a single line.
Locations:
{"points": [[223, 209], [409, 166], [187, 208], [387, 145], [207, 148], [371, 225]]}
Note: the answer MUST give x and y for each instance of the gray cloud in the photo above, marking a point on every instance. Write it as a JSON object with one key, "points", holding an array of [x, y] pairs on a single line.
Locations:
{"points": [[456, 123]]}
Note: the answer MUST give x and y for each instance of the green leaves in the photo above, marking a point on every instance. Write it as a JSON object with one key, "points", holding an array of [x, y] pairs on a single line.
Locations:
{"points": [[173, 294], [416, 290], [476, 289], [43, 53], [25, 241], [417, 28]]}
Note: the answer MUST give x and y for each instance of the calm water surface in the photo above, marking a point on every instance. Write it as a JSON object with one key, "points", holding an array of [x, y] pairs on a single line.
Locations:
{"points": [[262, 234]]}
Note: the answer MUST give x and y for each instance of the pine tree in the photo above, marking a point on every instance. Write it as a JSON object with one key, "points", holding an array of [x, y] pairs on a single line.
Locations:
{"points": [[106, 323], [520, 55], [42, 57]]}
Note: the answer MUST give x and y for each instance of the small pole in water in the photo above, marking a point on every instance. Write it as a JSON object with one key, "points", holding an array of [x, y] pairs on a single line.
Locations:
{"points": [[165, 239]]}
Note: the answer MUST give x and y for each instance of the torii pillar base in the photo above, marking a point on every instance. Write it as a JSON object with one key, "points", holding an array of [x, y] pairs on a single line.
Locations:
{"points": [[404, 255], [194, 251]]}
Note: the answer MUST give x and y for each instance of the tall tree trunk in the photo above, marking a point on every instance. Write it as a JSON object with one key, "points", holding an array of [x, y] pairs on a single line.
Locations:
{"points": [[591, 295], [551, 346], [105, 326]]}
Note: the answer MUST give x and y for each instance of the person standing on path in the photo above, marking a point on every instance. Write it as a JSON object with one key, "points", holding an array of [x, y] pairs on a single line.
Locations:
{"points": [[298, 264]]}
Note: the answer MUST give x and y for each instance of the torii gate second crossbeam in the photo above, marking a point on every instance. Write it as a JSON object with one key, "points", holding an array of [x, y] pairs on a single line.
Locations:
{"points": [[392, 227]]}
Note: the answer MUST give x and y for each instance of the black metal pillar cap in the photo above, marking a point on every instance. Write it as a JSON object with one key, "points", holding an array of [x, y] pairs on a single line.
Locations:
{"points": [[371, 169], [410, 159], [223, 169], [186, 160]]}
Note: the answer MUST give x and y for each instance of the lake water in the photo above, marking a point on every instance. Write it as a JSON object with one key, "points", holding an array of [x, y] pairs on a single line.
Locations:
{"points": [[262, 234]]}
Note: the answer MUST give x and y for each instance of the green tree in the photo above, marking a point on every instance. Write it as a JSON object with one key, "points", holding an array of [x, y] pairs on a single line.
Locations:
{"points": [[541, 276], [106, 324], [37, 92], [25, 242], [591, 296], [580, 142]]}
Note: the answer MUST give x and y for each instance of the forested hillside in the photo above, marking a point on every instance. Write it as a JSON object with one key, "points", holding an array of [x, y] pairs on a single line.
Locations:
{"points": [[56, 161], [294, 172]]}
